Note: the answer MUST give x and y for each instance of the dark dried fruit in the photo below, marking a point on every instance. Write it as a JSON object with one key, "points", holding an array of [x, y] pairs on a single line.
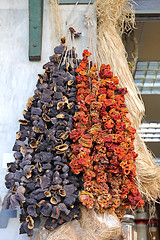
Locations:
{"points": [[40, 180]]}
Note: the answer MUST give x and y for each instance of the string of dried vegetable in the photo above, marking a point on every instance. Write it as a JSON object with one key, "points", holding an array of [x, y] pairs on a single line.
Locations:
{"points": [[103, 149], [40, 180]]}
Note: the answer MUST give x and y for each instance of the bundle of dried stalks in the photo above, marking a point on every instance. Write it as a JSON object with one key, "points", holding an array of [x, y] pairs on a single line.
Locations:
{"points": [[100, 226], [65, 232], [92, 226], [114, 16], [110, 14], [55, 20], [148, 173]]}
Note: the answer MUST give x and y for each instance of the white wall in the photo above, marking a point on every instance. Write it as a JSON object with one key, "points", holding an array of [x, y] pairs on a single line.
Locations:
{"points": [[18, 76]]}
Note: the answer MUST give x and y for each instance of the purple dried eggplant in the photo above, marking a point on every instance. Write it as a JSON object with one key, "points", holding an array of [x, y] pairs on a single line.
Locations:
{"points": [[63, 208], [36, 111], [55, 212], [50, 224], [14, 202], [64, 175], [50, 135], [39, 196], [31, 210], [30, 186], [70, 189], [65, 181], [9, 184], [27, 169], [49, 173], [49, 64], [54, 120], [55, 187], [58, 96], [17, 176], [59, 163], [6, 201], [24, 180], [17, 146], [52, 112], [45, 98], [59, 49], [46, 186], [27, 114], [21, 230], [46, 157], [61, 89], [42, 146], [65, 168], [56, 180], [46, 210], [20, 197], [45, 182], [27, 157], [9, 176], [69, 201], [22, 164], [46, 166], [74, 214], [26, 150], [31, 201], [18, 155], [57, 168], [27, 228]]}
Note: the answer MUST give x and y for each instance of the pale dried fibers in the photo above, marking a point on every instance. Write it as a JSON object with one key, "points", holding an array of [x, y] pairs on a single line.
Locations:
{"points": [[148, 173], [111, 16], [91, 226], [91, 25], [55, 20], [99, 226]]}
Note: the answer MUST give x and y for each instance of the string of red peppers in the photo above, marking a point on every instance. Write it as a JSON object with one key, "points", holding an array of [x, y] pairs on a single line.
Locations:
{"points": [[103, 149]]}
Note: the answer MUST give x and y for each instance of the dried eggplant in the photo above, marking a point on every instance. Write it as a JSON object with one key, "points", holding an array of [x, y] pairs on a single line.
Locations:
{"points": [[40, 180]]}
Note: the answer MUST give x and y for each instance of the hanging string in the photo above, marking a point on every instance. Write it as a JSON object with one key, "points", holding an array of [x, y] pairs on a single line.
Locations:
{"points": [[70, 37], [71, 14], [91, 31]]}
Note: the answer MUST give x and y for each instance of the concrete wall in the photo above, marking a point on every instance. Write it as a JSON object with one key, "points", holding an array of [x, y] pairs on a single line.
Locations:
{"points": [[18, 75]]}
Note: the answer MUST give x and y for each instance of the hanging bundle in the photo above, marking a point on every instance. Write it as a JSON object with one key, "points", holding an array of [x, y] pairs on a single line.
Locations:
{"points": [[103, 148], [40, 180]]}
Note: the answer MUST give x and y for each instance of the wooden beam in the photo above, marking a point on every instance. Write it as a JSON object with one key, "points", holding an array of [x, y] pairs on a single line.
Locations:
{"points": [[147, 6], [35, 29], [141, 6], [147, 17], [75, 1]]}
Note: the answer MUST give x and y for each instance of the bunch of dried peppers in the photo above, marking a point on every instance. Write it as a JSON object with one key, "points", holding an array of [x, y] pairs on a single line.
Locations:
{"points": [[103, 150]]}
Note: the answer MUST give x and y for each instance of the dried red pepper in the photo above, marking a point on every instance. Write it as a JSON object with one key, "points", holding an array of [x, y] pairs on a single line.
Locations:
{"points": [[104, 152]]}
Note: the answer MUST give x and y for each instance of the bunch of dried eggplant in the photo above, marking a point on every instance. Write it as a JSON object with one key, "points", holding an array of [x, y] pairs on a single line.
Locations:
{"points": [[40, 180]]}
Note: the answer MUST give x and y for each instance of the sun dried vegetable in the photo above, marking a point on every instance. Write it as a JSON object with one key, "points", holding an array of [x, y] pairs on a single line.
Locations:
{"points": [[40, 180], [103, 149]]}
